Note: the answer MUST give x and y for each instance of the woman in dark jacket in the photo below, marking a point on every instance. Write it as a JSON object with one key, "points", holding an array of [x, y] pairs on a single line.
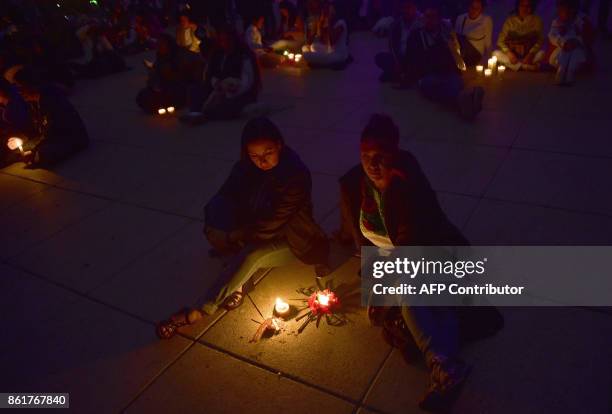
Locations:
{"points": [[388, 202], [231, 81], [262, 216]]}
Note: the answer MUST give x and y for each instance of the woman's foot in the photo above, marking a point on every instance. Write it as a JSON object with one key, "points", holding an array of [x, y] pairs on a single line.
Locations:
{"points": [[167, 329], [447, 379], [233, 301]]}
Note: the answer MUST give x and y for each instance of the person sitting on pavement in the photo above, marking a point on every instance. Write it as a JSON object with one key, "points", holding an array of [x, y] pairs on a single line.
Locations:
{"points": [[521, 38], [388, 202], [475, 33], [166, 83], [333, 50], [59, 131], [393, 63], [260, 218], [265, 55], [231, 82], [435, 64], [571, 37]]}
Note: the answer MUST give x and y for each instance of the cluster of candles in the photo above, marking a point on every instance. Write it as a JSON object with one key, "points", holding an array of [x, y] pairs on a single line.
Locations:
{"points": [[293, 56], [491, 67], [164, 111]]}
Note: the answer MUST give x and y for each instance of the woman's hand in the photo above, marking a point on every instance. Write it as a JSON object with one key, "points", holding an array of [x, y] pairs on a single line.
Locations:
{"points": [[14, 143]]}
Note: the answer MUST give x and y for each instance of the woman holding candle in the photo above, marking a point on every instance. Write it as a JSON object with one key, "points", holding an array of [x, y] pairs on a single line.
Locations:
{"points": [[571, 37], [59, 131], [521, 38], [260, 218], [475, 33], [387, 201]]}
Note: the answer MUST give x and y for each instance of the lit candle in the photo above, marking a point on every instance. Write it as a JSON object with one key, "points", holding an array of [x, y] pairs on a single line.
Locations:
{"points": [[494, 59], [170, 109], [291, 56], [479, 69], [281, 308], [488, 72], [161, 111], [298, 57], [323, 299], [501, 69], [286, 53]]}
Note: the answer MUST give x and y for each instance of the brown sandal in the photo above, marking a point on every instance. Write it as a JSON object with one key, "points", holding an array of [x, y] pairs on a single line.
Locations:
{"points": [[167, 329], [233, 301]]}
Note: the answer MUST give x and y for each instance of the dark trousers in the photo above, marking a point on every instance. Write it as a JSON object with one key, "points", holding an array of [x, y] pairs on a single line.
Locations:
{"points": [[444, 89], [386, 62], [53, 152], [228, 108]]}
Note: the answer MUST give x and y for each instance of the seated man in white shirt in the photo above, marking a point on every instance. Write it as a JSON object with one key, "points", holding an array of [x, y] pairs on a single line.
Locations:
{"points": [[475, 33]]}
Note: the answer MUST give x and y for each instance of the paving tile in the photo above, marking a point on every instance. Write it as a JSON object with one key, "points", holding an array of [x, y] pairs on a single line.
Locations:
{"points": [[188, 182], [399, 386], [552, 358], [25, 319], [206, 380], [320, 355], [100, 356], [456, 168], [570, 134], [15, 189], [178, 273], [88, 253], [458, 208], [307, 113], [504, 223], [41, 215], [556, 180]]}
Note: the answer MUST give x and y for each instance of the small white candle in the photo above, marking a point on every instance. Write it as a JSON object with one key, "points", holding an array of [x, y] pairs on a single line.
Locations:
{"points": [[170, 109], [286, 53], [501, 69], [494, 59], [488, 72], [161, 111], [281, 307], [291, 56], [479, 69]]}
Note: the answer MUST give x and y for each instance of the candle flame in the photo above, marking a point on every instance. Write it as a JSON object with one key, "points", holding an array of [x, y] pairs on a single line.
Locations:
{"points": [[170, 109], [323, 299], [161, 111]]}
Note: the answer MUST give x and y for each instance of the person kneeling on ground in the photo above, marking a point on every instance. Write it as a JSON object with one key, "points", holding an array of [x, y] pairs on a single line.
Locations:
{"points": [[165, 84], [261, 218], [14, 121], [265, 55], [521, 39], [393, 63], [333, 50], [571, 37], [475, 33], [387, 202], [60, 131], [231, 82], [436, 66]]}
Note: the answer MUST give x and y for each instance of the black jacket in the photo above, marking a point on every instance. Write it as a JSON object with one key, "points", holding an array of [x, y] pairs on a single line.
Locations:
{"points": [[277, 204], [430, 56], [412, 212]]}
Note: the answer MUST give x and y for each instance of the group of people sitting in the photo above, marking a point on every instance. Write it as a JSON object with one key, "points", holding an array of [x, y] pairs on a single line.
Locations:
{"points": [[262, 217], [520, 46]]}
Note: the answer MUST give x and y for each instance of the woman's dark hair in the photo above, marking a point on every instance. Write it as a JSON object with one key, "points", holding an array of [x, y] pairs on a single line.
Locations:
{"points": [[382, 131], [256, 129], [518, 2], [573, 5]]}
